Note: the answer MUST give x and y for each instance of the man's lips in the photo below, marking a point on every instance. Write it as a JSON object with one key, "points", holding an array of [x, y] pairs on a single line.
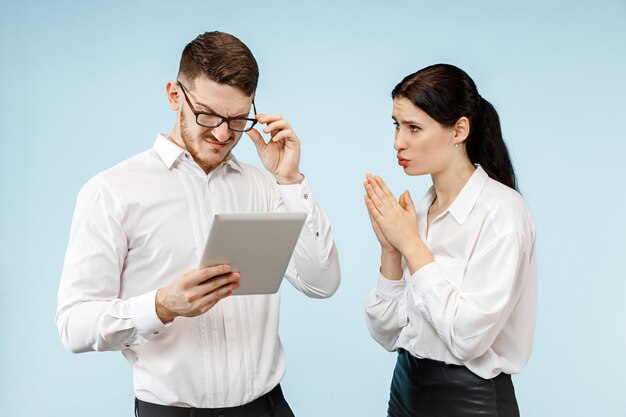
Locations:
{"points": [[218, 144]]}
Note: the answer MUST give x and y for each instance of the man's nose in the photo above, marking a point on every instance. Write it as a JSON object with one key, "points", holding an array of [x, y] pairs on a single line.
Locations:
{"points": [[222, 132]]}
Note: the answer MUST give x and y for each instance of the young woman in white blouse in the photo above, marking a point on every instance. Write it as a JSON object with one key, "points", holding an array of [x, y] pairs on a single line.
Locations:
{"points": [[456, 295]]}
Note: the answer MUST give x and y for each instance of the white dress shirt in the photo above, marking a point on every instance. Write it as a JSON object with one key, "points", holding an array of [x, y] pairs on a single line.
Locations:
{"points": [[475, 305], [143, 223]]}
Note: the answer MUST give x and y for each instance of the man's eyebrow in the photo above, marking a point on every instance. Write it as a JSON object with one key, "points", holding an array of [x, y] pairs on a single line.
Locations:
{"points": [[207, 109]]}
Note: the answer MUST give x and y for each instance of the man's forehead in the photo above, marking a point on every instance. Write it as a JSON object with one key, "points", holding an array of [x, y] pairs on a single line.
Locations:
{"points": [[219, 98]]}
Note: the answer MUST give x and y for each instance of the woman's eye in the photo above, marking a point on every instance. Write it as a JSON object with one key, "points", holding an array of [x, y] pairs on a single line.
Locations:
{"points": [[396, 125], [414, 129]]}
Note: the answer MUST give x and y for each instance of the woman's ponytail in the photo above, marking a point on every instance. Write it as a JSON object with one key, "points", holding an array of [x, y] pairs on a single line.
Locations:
{"points": [[485, 145]]}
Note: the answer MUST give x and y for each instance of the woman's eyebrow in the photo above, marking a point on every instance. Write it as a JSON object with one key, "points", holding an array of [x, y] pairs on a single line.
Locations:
{"points": [[406, 122]]}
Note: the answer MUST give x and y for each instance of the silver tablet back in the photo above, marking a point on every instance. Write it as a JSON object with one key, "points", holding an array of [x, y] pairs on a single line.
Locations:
{"points": [[257, 245]]}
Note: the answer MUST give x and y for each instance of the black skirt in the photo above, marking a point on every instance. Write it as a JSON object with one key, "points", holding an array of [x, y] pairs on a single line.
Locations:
{"points": [[427, 388]]}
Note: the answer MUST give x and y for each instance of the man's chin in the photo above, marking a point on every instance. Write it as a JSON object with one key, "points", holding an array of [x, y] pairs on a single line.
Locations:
{"points": [[212, 157]]}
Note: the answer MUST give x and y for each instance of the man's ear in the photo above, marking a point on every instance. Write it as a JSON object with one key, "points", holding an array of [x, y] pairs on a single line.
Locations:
{"points": [[461, 130], [173, 95]]}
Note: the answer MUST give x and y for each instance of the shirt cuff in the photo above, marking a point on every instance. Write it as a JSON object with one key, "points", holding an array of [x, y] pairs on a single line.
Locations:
{"points": [[391, 289], [297, 197], [142, 312], [424, 280]]}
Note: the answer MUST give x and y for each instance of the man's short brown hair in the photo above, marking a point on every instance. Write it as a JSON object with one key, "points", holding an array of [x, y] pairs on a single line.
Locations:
{"points": [[221, 57]]}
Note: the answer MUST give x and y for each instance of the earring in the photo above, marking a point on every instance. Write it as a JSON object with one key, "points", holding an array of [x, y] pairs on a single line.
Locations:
{"points": [[456, 145]]}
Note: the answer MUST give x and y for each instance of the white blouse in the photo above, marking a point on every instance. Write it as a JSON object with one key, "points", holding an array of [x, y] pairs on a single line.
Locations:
{"points": [[476, 304]]}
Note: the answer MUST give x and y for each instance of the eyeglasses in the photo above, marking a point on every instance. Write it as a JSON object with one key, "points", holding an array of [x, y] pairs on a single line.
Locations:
{"points": [[236, 124]]}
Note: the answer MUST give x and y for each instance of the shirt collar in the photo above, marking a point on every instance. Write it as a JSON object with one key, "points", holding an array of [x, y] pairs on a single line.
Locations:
{"points": [[465, 201], [233, 163], [169, 153], [167, 150]]}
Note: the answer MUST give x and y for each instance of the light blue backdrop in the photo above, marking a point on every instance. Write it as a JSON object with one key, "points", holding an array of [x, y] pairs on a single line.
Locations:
{"points": [[83, 87]]}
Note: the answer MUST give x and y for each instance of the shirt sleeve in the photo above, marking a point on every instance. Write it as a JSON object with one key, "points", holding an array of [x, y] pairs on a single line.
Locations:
{"points": [[468, 320], [386, 311], [90, 314], [314, 268]]}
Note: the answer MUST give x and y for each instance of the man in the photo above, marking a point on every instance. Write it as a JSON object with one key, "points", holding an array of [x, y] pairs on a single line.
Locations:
{"points": [[130, 281]]}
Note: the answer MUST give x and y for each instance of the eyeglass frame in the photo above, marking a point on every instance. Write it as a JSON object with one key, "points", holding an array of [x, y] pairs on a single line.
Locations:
{"points": [[223, 118]]}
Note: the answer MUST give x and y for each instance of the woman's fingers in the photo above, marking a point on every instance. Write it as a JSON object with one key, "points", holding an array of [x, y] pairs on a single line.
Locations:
{"points": [[376, 188], [383, 187], [372, 210], [377, 204], [380, 194], [375, 216]]}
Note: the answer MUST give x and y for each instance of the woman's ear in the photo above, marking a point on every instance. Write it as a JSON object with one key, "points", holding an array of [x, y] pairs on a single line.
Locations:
{"points": [[173, 96], [461, 130]]}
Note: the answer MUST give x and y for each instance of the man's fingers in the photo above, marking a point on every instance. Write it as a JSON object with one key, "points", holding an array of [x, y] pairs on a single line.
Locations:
{"points": [[283, 134], [268, 118], [200, 275], [212, 298], [278, 125], [256, 138], [214, 283]]}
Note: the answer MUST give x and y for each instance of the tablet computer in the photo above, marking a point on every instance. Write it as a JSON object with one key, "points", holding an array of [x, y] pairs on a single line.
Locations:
{"points": [[257, 245]]}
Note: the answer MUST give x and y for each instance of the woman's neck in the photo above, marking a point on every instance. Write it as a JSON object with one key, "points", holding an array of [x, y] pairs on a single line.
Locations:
{"points": [[449, 183]]}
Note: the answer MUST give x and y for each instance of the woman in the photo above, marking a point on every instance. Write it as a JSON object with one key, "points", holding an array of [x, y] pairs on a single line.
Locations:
{"points": [[456, 295]]}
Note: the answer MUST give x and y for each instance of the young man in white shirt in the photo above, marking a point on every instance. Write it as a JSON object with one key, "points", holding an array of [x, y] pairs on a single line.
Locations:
{"points": [[130, 280]]}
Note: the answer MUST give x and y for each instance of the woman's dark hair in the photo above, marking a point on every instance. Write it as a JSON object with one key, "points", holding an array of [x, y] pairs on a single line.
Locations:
{"points": [[446, 93], [221, 57]]}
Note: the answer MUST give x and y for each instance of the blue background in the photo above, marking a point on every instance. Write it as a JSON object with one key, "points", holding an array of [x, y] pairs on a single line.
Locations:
{"points": [[83, 87]]}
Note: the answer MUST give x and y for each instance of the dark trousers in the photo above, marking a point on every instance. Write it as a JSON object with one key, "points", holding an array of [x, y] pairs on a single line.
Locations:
{"points": [[427, 388], [272, 404]]}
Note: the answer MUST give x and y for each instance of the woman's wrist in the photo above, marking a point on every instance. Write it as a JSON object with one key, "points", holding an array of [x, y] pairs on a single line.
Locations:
{"points": [[416, 255], [390, 251], [391, 264]]}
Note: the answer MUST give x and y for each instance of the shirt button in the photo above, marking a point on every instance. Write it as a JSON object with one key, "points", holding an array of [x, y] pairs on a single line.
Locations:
{"points": [[317, 234], [306, 196], [187, 155], [157, 332], [127, 345]]}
